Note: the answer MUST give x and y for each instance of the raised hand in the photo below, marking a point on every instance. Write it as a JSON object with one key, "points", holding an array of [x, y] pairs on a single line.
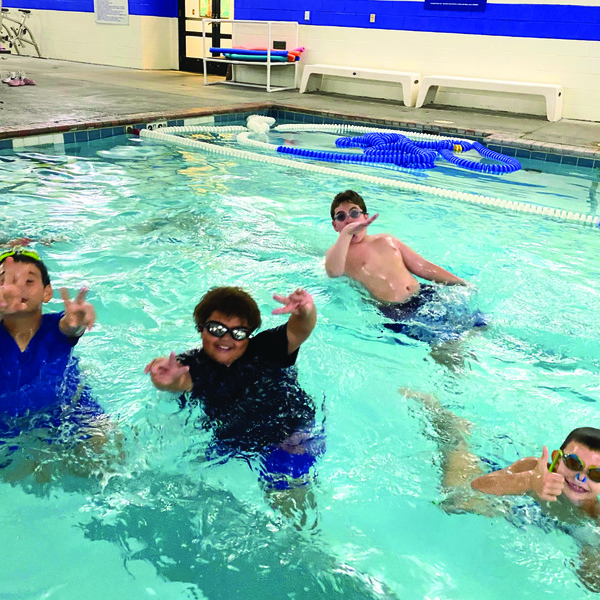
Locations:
{"points": [[299, 303], [547, 486], [358, 226], [169, 373], [79, 314], [11, 286]]}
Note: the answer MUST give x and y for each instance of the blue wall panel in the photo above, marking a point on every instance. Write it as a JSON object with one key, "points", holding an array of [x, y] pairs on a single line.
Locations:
{"points": [[567, 22]]}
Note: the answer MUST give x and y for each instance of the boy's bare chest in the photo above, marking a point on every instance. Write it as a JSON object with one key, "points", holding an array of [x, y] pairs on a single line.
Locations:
{"points": [[372, 254]]}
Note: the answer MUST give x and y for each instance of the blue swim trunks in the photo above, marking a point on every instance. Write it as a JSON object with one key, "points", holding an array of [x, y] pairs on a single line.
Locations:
{"points": [[277, 468], [429, 318]]}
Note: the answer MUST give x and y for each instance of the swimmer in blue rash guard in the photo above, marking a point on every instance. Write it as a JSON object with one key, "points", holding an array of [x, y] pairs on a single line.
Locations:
{"points": [[245, 383], [39, 377]]}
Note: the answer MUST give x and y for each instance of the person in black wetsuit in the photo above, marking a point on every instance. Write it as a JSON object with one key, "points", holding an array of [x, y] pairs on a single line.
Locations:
{"points": [[246, 384]]}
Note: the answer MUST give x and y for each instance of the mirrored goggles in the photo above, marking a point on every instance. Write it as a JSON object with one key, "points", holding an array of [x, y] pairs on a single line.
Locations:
{"points": [[19, 250], [218, 330], [574, 463], [342, 215]]}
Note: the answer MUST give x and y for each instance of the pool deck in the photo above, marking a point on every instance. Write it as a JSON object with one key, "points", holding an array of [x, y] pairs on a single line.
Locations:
{"points": [[69, 96]]}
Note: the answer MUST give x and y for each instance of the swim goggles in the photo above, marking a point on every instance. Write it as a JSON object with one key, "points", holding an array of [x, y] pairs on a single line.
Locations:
{"points": [[18, 250], [574, 463], [218, 330], [341, 216]]}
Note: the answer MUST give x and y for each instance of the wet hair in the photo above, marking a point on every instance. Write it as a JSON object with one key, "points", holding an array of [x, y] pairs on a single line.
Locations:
{"points": [[232, 302], [348, 196], [588, 436], [23, 258]]}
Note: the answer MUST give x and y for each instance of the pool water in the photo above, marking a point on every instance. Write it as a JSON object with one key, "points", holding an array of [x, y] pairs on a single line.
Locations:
{"points": [[149, 228]]}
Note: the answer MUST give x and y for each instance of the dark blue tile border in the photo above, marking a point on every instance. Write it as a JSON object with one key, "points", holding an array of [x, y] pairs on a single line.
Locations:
{"points": [[6, 145]]}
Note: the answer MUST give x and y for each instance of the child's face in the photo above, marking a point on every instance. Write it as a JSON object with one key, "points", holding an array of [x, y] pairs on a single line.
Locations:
{"points": [[578, 486], [224, 350], [343, 210], [27, 279]]}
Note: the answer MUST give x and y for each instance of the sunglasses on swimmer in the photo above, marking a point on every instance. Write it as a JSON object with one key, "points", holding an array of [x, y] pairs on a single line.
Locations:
{"points": [[574, 463], [18, 250], [342, 215], [218, 330]]}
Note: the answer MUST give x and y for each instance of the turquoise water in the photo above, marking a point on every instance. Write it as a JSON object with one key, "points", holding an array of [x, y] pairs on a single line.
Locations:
{"points": [[149, 228]]}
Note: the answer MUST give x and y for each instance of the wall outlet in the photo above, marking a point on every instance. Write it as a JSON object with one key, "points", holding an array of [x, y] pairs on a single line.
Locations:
{"points": [[372, 18], [307, 15], [156, 125]]}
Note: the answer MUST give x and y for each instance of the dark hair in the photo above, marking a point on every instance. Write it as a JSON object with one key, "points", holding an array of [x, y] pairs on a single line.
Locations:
{"points": [[231, 301], [23, 258], [588, 436], [348, 196]]}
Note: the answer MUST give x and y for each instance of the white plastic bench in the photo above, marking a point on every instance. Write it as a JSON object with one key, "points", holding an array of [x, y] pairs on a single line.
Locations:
{"points": [[551, 92], [409, 81]]}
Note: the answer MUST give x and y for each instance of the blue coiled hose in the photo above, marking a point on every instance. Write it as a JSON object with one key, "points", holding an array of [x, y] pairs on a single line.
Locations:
{"points": [[395, 148]]}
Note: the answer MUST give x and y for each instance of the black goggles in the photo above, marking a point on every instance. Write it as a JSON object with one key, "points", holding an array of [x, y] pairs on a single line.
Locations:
{"points": [[218, 330], [342, 215]]}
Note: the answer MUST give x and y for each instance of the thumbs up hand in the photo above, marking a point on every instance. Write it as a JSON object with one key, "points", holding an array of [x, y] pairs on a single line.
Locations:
{"points": [[547, 486]]}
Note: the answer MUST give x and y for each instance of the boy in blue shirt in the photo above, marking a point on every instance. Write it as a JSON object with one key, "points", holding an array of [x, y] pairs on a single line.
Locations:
{"points": [[40, 385]]}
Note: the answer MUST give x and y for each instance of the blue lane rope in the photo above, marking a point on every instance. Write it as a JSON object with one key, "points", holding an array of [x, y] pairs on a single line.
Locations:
{"points": [[397, 149]]}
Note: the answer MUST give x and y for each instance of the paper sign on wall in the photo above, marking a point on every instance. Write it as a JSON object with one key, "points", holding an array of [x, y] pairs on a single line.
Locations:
{"points": [[474, 5], [112, 12]]}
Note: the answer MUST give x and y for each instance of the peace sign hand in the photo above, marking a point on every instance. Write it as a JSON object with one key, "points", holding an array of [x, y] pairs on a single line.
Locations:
{"points": [[299, 302], [79, 314], [169, 374]]}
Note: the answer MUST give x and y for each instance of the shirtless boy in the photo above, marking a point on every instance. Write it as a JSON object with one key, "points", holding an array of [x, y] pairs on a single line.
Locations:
{"points": [[382, 263], [564, 485], [388, 268]]}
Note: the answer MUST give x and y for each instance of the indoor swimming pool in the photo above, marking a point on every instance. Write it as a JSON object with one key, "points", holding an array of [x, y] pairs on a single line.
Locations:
{"points": [[150, 226]]}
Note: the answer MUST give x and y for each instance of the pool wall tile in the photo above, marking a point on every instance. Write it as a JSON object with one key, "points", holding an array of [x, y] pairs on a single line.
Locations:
{"points": [[569, 160], [585, 162], [503, 143]]}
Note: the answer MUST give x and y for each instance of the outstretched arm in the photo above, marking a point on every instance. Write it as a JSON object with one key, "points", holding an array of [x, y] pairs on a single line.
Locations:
{"points": [[303, 317], [420, 267], [335, 259], [527, 475], [79, 314], [169, 375]]}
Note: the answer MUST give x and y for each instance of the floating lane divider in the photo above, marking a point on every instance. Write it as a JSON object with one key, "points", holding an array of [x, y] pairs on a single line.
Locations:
{"points": [[170, 135], [379, 147]]}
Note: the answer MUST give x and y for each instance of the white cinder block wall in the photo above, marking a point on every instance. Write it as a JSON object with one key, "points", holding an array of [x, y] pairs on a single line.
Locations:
{"points": [[574, 64], [145, 43]]}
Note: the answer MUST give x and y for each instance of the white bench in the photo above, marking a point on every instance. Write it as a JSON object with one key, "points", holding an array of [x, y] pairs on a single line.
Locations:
{"points": [[409, 81], [551, 92]]}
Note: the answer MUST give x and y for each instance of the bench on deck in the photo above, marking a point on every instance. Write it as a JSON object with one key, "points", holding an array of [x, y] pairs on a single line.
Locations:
{"points": [[408, 81], [551, 92]]}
